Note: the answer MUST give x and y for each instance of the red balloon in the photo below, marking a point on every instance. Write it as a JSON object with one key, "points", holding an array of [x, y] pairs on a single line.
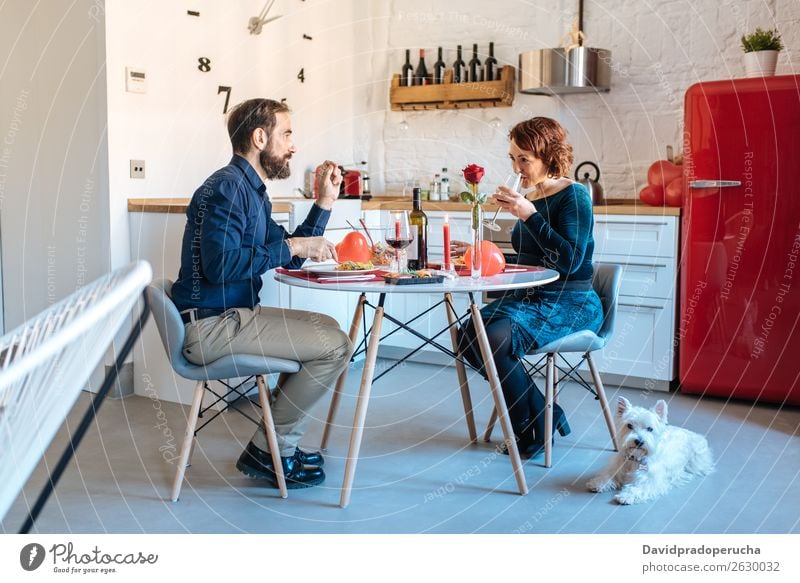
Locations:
{"points": [[652, 195], [662, 173], [492, 259], [673, 193], [354, 247]]}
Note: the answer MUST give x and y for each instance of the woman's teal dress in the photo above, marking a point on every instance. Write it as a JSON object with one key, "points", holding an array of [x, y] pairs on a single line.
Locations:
{"points": [[558, 236]]}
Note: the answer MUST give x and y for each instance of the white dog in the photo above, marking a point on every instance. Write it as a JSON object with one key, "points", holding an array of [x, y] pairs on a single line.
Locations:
{"points": [[653, 456]]}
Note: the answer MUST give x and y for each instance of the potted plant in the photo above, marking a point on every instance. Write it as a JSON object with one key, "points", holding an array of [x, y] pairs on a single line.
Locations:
{"points": [[761, 52]]}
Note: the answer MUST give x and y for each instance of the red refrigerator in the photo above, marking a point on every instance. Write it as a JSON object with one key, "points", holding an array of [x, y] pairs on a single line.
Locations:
{"points": [[739, 328]]}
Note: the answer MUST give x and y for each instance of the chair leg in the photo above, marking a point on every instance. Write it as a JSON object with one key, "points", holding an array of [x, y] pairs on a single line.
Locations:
{"points": [[272, 439], [186, 448], [548, 410], [466, 399], [337, 392], [487, 436], [601, 395]]}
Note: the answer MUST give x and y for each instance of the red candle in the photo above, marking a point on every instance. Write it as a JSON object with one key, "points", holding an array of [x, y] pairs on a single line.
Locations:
{"points": [[397, 229], [446, 233]]}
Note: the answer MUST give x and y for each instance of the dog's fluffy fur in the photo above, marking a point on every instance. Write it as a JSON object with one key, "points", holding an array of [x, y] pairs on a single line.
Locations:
{"points": [[653, 457]]}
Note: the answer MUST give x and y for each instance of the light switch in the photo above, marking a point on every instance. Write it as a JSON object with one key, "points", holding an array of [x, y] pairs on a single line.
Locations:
{"points": [[135, 80]]}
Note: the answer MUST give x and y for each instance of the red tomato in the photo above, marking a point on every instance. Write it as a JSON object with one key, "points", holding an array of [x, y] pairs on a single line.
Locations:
{"points": [[662, 173], [354, 247], [652, 195], [492, 259], [673, 193]]}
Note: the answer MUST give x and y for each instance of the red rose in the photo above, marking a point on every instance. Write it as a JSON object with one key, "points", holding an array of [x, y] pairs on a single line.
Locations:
{"points": [[473, 173]]}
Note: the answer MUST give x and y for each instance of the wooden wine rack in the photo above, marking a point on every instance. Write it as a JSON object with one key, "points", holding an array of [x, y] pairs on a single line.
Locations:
{"points": [[451, 95]]}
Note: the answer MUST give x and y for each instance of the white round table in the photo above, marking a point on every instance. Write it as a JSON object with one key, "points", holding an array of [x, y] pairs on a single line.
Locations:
{"points": [[464, 285]]}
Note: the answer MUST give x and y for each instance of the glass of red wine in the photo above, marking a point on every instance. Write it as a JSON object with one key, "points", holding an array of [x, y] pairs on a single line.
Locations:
{"points": [[399, 235]]}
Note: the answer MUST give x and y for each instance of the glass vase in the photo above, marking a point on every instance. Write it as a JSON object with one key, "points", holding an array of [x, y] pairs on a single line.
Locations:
{"points": [[477, 237]]}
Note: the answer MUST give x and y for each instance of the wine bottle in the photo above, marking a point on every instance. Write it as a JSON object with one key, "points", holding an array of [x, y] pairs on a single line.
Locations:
{"points": [[407, 76], [490, 65], [438, 69], [474, 67], [419, 224], [459, 68], [421, 74]]}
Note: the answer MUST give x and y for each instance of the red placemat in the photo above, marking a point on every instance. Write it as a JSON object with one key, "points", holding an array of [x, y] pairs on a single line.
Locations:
{"points": [[377, 275]]}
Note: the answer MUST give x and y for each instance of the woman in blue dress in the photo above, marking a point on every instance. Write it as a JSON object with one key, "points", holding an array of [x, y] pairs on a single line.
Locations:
{"points": [[554, 230]]}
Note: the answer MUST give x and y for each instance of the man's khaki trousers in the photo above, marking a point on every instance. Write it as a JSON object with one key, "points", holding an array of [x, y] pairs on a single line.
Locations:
{"points": [[314, 340]]}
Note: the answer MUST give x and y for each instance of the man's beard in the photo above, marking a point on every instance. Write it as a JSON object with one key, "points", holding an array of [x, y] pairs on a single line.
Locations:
{"points": [[275, 168]]}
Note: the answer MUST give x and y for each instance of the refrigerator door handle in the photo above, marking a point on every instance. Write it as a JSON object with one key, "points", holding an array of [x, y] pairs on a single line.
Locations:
{"points": [[714, 183]]}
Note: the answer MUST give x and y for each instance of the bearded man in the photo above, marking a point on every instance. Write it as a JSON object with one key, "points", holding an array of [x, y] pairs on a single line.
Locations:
{"points": [[229, 242]]}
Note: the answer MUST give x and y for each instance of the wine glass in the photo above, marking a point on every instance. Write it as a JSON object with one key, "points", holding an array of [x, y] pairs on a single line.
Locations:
{"points": [[514, 179], [399, 235]]}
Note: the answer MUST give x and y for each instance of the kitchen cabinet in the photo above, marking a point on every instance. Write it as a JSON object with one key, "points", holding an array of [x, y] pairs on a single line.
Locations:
{"points": [[642, 352]]}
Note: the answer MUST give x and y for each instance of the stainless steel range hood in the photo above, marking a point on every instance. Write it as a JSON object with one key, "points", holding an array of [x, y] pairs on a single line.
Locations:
{"points": [[558, 71]]}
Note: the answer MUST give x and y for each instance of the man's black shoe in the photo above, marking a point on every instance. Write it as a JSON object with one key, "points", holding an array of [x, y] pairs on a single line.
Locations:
{"points": [[310, 458], [257, 463]]}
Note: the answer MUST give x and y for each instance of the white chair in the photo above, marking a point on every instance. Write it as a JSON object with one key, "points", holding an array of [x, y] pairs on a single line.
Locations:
{"points": [[171, 328], [45, 364], [606, 283]]}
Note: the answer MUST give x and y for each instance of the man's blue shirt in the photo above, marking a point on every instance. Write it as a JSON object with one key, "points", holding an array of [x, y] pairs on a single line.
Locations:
{"points": [[230, 240]]}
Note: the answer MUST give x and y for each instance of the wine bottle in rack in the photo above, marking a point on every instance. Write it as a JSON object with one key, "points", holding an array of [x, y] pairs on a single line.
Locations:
{"points": [[407, 75], [474, 67], [438, 69], [490, 65], [418, 220], [459, 68], [421, 74]]}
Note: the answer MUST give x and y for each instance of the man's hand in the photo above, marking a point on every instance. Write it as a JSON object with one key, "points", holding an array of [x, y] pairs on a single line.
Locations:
{"points": [[329, 178], [315, 248]]}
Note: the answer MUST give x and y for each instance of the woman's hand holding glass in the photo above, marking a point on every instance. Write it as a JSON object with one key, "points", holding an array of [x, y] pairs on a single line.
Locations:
{"points": [[513, 202]]}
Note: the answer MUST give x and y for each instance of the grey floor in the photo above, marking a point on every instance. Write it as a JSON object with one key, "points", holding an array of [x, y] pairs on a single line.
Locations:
{"points": [[417, 472]]}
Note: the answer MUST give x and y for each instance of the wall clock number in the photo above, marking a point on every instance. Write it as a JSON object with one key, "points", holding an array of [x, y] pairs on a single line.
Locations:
{"points": [[192, 13], [205, 64], [305, 36], [227, 91], [283, 100], [301, 75]]}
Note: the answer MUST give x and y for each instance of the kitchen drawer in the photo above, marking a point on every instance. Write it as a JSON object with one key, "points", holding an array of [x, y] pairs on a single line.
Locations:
{"points": [[642, 344], [644, 277], [632, 235]]}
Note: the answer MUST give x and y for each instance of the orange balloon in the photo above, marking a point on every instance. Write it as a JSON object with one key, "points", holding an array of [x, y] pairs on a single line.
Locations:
{"points": [[662, 172], [673, 193], [492, 259], [354, 247], [652, 195]]}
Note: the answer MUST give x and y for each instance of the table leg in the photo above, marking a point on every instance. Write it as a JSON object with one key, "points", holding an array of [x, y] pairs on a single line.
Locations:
{"points": [[361, 404], [462, 373], [337, 392], [499, 401]]}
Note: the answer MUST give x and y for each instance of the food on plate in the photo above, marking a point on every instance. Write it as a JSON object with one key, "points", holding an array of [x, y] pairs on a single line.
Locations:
{"points": [[355, 266], [382, 254], [418, 273], [354, 248]]}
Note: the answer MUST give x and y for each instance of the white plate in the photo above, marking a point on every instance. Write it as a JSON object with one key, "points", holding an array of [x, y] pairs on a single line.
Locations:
{"points": [[330, 270]]}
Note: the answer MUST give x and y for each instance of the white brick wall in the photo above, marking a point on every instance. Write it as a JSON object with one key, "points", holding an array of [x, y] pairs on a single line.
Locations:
{"points": [[659, 48]]}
